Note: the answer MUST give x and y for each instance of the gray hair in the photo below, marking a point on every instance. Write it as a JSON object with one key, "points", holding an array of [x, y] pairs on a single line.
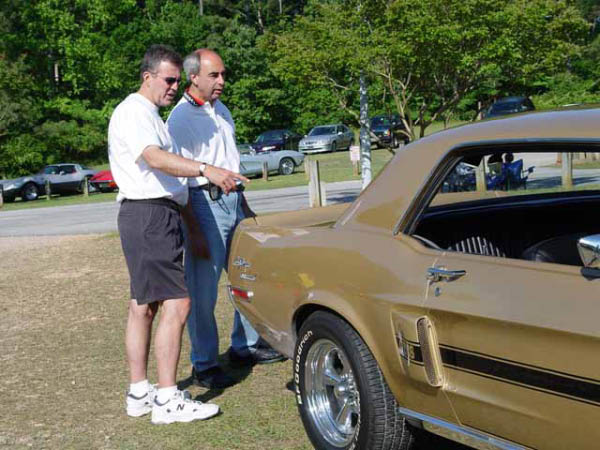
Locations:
{"points": [[156, 54]]}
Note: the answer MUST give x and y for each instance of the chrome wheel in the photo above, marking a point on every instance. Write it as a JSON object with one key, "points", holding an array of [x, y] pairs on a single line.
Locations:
{"points": [[30, 192], [286, 166], [332, 396]]}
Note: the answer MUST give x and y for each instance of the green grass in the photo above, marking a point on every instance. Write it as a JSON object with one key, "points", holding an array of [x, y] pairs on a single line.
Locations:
{"points": [[580, 165], [333, 167], [58, 200]]}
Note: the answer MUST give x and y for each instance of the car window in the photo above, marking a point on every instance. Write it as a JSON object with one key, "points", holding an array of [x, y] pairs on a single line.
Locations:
{"points": [[524, 205], [380, 121], [269, 136], [67, 169], [50, 170], [320, 131]]}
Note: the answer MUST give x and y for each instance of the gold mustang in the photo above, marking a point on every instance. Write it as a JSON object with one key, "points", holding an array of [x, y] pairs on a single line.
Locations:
{"points": [[458, 295]]}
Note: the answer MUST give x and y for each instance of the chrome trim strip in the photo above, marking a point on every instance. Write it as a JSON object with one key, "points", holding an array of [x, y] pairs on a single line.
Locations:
{"points": [[463, 435]]}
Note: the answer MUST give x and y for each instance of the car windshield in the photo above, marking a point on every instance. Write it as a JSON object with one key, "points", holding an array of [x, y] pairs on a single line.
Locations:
{"points": [[380, 121], [269, 136], [505, 106], [321, 131]]}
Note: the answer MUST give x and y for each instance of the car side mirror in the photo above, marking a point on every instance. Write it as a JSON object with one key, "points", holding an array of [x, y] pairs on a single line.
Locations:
{"points": [[589, 250]]}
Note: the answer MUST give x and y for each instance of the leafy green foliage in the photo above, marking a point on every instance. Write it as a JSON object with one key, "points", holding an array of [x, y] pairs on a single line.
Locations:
{"points": [[65, 64]]}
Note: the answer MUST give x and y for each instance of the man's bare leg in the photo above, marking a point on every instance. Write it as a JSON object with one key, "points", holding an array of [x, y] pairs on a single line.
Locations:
{"points": [[167, 343], [137, 339]]}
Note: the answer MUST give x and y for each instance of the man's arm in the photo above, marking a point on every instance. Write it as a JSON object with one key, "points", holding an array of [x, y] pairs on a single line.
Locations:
{"points": [[179, 166]]}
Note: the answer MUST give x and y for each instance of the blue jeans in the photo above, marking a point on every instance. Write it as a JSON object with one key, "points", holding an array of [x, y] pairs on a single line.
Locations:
{"points": [[217, 220]]}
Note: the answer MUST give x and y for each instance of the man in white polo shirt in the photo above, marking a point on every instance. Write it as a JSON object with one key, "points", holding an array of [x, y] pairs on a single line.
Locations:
{"points": [[150, 173], [202, 126]]}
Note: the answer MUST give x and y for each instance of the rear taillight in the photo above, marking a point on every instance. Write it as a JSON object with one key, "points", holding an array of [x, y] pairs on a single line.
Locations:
{"points": [[240, 293]]}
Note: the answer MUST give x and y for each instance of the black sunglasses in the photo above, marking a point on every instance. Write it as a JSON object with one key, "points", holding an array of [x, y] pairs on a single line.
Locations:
{"points": [[172, 80]]}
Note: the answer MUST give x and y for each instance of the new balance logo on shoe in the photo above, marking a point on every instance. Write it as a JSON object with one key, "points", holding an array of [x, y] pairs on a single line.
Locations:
{"points": [[174, 410]]}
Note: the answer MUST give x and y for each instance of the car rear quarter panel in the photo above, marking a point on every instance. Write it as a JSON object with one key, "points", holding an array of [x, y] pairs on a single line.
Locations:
{"points": [[350, 273]]}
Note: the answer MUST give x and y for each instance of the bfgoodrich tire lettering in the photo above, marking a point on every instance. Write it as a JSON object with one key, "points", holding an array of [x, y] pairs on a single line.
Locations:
{"points": [[343, 399]]}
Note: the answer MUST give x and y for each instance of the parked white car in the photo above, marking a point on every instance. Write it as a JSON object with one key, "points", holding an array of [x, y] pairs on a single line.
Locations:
{"points": [[283, 161], [327, 138]]}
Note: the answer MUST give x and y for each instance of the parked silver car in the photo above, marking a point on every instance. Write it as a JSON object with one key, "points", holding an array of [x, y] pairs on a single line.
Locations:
{"points": [[64, 179], [28, 187], [327, 138], [282, 161]]}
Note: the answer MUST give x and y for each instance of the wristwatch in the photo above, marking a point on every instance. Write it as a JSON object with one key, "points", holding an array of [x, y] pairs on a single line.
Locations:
{"points": [[201, 169]]}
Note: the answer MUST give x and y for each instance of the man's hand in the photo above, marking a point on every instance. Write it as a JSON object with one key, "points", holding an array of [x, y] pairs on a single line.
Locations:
{"points": [[225, 179]]}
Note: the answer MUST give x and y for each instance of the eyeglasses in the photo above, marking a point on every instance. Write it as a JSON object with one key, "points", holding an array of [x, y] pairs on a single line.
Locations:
{"points": [[169, 80]]}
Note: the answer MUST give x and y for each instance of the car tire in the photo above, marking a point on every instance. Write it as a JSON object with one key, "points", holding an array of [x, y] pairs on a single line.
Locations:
{"points": [[334, 147], [29, 192], [329, 345], [287, 166], [395, 142]]}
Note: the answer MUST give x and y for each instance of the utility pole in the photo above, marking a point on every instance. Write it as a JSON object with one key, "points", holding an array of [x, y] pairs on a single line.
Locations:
{"points": [[365, 135], [201, 7]]}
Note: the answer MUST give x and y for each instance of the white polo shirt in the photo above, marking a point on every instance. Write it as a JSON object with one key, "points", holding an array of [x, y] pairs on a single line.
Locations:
{"points": [[206, 134], [135, 125]]}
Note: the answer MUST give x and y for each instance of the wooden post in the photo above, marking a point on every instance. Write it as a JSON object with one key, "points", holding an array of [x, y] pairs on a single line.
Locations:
{"points": [[316, 189], [567, 170], [480, 176], [86, 187], [355, 158], [307, 167], [265, 171], [47, 188], [1, 195]]}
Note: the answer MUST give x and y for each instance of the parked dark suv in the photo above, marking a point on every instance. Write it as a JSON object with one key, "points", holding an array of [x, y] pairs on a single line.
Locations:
{"points": [[274, 140], [389, 130], [509, 105]]}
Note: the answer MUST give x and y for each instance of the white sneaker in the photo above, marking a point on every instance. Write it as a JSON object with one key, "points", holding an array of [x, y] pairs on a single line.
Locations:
{"points": [[181, 408], [138, 406]]}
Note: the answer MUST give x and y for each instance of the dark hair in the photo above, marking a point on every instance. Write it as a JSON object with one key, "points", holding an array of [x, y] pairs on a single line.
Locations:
{"points": [[156, 54]]}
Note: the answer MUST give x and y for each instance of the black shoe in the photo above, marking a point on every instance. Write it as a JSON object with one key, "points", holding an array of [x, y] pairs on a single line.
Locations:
{"points": [[261, 355], [213, 378]]}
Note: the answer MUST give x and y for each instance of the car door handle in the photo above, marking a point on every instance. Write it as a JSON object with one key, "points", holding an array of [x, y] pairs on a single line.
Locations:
{"points": [[437, 274]]}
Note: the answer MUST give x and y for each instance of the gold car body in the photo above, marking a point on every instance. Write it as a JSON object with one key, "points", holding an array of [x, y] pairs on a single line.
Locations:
{"points": [[504, 357]]}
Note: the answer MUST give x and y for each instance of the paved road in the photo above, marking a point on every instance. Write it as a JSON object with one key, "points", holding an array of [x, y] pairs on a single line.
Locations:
{"points": [[102, 217]]}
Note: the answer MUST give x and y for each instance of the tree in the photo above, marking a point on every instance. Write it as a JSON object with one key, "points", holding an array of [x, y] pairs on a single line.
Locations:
{"points": [[428, 55]]}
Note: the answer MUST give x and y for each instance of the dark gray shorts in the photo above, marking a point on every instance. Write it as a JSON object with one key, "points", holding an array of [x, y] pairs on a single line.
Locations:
{"points": [[152, 241]]}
